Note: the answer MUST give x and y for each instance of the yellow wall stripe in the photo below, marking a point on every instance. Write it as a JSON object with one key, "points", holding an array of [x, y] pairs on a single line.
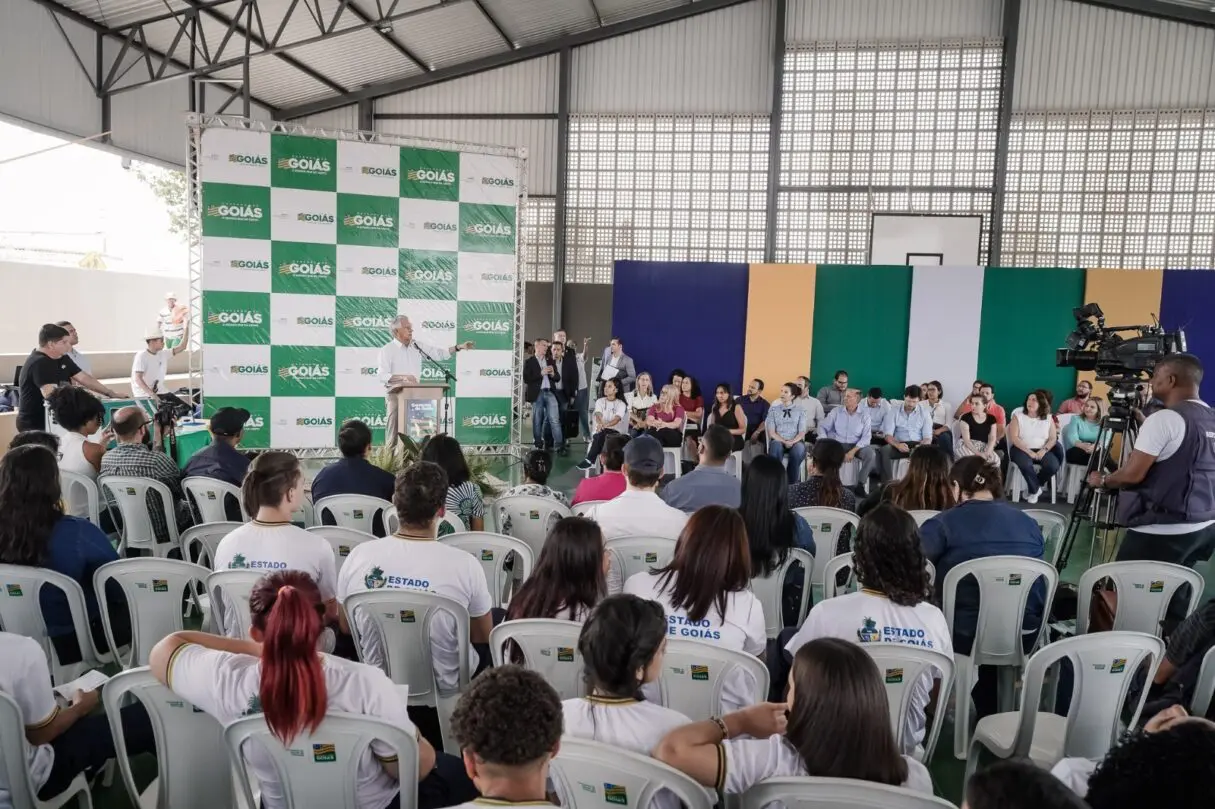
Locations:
{"points": [[1128, 298], [780, 324]]}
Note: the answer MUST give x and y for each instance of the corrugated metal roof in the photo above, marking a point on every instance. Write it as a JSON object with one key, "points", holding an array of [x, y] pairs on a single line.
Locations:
{"points": [[120, 12], [450, 34], [531, 21], [278, 83], [616, 10], [360, 57]]}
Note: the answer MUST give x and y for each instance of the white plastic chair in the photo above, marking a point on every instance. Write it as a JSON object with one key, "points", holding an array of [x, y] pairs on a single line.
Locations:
{"points": [[899, 468], [154, 589], [1104, 666], [1053, 525], [827, 524], [922, 515], [902, 667], [1016, 484], [549, 648], [1144, 592], [200, 542], [231, 588], [192, 764], [850, 472], [208, 498], [838, 564], [582, 508], [448, 524], [77, 489], [1005, 583], [695, 674], [836, 793], [305, 515], [770, 591], [581, 768], [357, 511], [530, 517], [632, 555], [492, 551], [1073, 479], [403, 618], [21, 614], [342, 540], [321, 768], [1205, 689], [130, 496], [21, 790], [734, 464]]}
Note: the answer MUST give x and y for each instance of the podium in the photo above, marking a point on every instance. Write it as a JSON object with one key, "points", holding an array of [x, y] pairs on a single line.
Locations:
{"points": [[419, 410]]}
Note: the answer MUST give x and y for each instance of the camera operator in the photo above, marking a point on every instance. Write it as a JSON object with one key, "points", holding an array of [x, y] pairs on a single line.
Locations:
{"points": [[1168, 502]]}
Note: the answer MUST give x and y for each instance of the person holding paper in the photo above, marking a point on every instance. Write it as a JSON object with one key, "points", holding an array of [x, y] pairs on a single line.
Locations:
{"points": [[401, 361], [617, 365]]}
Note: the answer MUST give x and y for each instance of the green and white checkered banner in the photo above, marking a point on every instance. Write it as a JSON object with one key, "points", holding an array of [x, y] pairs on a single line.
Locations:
{"points": [[311, 245]]}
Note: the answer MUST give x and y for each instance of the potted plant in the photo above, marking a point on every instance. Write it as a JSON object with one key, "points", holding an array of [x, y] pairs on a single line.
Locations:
{"points": [[407, 452]]}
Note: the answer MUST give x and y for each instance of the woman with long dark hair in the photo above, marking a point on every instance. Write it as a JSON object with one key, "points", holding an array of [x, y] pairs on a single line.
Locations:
{"points": [[611, 417], [773, 528], [706, 588], [823, 487], [280, 672], [924, 487], [569, 579], [35, 532], [837, 726], [463, 496], [729, 414], [1032, 436]]}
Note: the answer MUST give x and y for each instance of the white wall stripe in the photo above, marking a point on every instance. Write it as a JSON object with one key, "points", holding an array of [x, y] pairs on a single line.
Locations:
{"points": [[943, 333]]}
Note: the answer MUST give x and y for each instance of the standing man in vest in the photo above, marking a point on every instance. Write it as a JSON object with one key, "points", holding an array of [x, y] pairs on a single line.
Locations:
{"points": [[1168, 502]]}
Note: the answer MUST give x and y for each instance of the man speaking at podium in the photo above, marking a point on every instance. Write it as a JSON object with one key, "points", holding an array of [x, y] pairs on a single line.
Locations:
{"points": [[401, 363]]}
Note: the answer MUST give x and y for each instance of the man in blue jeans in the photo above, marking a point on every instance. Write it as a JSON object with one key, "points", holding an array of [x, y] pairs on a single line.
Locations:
{"points": [[786, 429], [540, 376]]}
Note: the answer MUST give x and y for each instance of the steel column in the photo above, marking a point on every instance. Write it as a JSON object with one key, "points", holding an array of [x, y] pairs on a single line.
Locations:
{"points": [[563, 181], [1010, 29], [778, 92]]}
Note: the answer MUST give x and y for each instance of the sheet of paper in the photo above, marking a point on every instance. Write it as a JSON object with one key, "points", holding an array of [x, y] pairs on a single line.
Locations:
{"points": [[610, 371], [89, 681]]}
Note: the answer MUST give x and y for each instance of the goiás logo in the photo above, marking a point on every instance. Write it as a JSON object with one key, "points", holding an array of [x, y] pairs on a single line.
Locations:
{"points": [[313, 217], [248, 264], [304, 165], [369, 221], [500, 326], [378, 171], [304, 373], [439, 325], [431, 176], [313, 320], [313, 421], [486, 420], [497, 277], [247, 159], [430, 372], [248, 370], [255, 423], [235, 212], [369, 370], [306, 269], [499, 230], [430, 276], [495, 373], [441, 227], [498, 182], [379, 272], [235, 317], [378, 323], [376, 421]]}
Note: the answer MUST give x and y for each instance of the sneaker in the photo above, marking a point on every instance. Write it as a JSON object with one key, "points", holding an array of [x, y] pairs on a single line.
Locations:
{"points": [[1032, 498], [585, 464]]}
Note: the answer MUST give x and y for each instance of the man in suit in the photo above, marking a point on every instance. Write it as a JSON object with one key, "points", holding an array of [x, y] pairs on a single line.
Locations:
{"points": [[540, 377], [566, 362], [617, 365]]}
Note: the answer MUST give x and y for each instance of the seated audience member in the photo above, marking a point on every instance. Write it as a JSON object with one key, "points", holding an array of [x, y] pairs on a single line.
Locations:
{"points": [[773, 528], [508, 725], [62, 741], [849, 425], [893, 605], [1082, 431], [1075, 405], [964, 406], [979, 431], [80, 414], [570, 575], [221, 460], [1031, 439], [693, 404], [151, 363], [810, 405], [706, 591], [709, 483], [994, 410], [981, 525], [611, 417], [835, 723], [39, 438], [280, 670], [35, 532], [755, 408], [878, 408], [1057, 449], [942, 416], [536, 468], [823, 487], [664, 420], [638, 511], [608, 483], [353, 474], [137, 456], [272, 491], [1177, 675], [786, 431], [676, 379], [413, 559], [905, 428], [831, 396], [1018, 784], [925, 487], [46, 368], [463, 496], [729, 414], [640, 400]]}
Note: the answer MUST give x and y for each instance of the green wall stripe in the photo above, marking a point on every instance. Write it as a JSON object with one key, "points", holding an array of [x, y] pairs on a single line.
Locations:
{"points": [[861, 318], [1027, 314]]}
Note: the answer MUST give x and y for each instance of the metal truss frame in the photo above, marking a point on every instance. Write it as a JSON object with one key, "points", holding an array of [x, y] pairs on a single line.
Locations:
{"points": [[197, 123]]}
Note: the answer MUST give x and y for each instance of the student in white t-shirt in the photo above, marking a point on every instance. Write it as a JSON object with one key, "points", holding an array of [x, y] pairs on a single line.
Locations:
{"points": [[508, 724], [838, 726], [569, 579], [892, 605], [706, 591], [412, 559], [280, 674], [1018, 783], [61, 742], [272, 491], [622, 646]]}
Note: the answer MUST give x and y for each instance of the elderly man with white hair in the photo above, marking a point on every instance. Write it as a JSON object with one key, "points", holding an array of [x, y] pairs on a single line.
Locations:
{"points": [[401, 364]]}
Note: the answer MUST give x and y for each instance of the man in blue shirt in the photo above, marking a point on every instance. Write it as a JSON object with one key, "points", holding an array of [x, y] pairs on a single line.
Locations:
{"points": [[878, 408], [755, 407], [849, 425], [353, 474], [709, 484], [786, 429], [906, 428], [220, 460]]}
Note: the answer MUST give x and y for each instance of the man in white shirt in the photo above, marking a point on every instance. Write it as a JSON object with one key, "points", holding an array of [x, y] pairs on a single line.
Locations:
{"points": [[172, 320], [401, 361], [638, 510], [149, 366], [81, 362]]}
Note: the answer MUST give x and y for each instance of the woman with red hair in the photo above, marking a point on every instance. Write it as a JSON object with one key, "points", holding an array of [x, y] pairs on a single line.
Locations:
{"points": [[280, 674]]}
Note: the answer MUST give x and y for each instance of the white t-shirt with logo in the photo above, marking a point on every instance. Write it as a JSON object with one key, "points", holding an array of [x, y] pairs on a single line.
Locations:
{"points": [[866, 617], [742, 629], [269, 547], [428, 567], [152, 366], [25, 677], [1161, 436], [227, 687], [608, 410]]}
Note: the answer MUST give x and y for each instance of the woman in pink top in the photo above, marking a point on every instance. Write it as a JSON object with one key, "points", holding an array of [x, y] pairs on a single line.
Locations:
{"points": [[665, 420]]}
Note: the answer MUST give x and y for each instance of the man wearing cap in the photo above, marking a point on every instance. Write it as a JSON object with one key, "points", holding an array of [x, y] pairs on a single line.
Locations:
{"points": [[638, 511], [221, 460], [172, 321], [148, 368]]}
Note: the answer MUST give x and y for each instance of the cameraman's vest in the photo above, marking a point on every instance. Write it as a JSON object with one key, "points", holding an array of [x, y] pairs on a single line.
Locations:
{"points": [[1180, 489]]}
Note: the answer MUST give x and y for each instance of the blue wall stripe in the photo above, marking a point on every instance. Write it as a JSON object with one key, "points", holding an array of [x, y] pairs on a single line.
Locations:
{"points": [[1185, 303]]}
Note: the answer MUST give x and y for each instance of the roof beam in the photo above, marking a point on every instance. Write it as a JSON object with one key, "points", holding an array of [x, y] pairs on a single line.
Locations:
{"points": [[512, 57], [506, 40], [1160, 10], [386, 36]]}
